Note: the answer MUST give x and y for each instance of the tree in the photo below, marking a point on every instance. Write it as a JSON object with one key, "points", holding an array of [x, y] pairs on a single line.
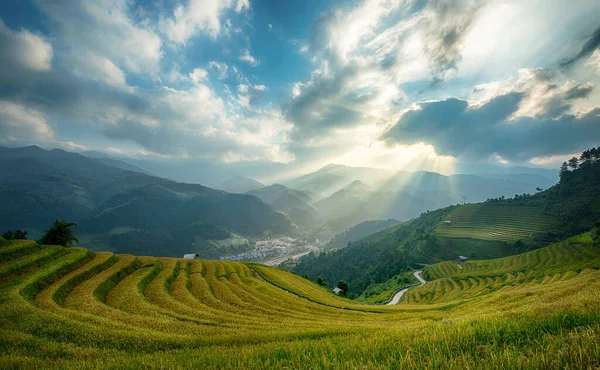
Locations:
{"points": [[60, 233], [538, 189], [564, 170], [596, 232], [574, 163], [343, 286], [322, 281], [20, 234], [8, 235]]}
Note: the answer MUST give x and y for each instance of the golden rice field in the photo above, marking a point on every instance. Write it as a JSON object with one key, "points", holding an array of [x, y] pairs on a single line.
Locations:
{"points": [[71, 308], [490, 221]]}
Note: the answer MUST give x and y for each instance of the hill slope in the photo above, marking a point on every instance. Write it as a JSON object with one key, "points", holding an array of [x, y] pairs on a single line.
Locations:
{"points": [[497, 228], [70, 308], [240, 185], [122, 210]]}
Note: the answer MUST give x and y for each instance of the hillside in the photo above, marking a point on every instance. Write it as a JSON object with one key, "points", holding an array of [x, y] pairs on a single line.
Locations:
{"points": [[240, 185], [125, 211], [496, 228], [70, 308], [358, 232], [491, 221], [282, 198], [558, 262], [346, 196]]}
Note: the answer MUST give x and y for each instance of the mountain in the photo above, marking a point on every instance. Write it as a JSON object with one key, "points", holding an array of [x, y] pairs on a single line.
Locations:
{"points": [[334, 177], [123, 210], [359, 231], [474, 188], [281, 197], [240, 185], [113, 162], [295, 204], [496, 228]]}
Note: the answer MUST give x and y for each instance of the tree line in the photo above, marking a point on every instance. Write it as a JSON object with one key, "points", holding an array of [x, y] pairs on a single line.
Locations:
{"points": [[59, 233]]}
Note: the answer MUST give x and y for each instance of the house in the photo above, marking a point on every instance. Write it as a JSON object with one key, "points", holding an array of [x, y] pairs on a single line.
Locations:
{"points": [[338, 291], [191, 256], [447, 222], [461, 259]]}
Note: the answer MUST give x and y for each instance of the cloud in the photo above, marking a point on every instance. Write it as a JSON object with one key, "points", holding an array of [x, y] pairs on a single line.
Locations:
{"points": [[94, 67], [198, 75], [104, 30], [220, 68], [448, 23], [198, 16], [535, 121], [590, 46], [19, 123], [246, 57], [24, 50], [250, 95]]}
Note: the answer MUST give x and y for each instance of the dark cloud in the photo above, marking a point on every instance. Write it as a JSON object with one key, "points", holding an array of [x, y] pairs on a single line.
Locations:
{"points": [[449, 26], [327, 102], [588, 48], [578, 92], [456, 129]]}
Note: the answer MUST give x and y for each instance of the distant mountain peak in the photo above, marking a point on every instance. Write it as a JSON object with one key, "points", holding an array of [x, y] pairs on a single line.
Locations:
{"points": [[331, 166], [357, 185], [240, 184]]}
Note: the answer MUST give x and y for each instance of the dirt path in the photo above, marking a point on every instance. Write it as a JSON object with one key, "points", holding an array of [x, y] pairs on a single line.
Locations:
{"points": [[398, 295]]}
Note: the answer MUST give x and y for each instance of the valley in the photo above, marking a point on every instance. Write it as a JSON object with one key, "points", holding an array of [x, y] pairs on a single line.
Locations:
{"points": [[495, 276]]}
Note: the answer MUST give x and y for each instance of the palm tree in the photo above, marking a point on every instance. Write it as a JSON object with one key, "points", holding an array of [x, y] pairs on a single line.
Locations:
{"points": [[60, 233]]}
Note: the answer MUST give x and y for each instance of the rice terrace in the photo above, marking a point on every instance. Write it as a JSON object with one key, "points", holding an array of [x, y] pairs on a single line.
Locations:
{"points": [[73, 308], [300, 184]]}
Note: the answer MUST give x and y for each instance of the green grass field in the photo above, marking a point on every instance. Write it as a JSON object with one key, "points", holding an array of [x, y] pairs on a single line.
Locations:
{"points": [[70, 308], [489, 221]]}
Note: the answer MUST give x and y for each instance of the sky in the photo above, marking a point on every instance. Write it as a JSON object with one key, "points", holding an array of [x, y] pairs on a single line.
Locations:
{"points": [[277, 88]]}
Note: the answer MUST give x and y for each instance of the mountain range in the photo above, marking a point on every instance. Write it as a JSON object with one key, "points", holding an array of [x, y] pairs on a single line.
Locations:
{"points": [[122, 206], [124, 210]]}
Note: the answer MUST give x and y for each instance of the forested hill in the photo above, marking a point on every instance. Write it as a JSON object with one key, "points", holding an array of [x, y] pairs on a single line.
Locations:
{"points": [[122, 210], [493, 229]]}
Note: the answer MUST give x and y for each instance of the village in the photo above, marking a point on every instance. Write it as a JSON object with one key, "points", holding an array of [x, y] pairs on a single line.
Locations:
{"points": [[273, 250]]}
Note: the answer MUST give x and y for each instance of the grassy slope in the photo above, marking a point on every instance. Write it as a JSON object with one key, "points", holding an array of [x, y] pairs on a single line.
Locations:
{"points": [[71, 308], [490, 221]]}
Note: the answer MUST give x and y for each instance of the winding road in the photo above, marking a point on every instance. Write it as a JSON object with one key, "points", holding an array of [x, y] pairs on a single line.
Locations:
{"points": [[398, 295]]}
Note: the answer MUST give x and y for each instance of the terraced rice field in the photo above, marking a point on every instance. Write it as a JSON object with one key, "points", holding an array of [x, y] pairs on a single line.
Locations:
{"points": [[70, 308], [489, 221], [459, 281]]}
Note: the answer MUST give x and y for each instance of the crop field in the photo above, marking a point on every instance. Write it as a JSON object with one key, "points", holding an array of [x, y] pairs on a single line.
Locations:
{"points": [[71, 308], [489, 221], [458, 281]]}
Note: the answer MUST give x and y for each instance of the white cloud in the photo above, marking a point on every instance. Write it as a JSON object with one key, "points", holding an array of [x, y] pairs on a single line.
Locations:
{"points": [[23, 48], [198, 75], [20, 123], [94, 67], [594, 60], [105, 29], [71, 146], [246, 57], [198, 16], [220, 68], [242, 5]]}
